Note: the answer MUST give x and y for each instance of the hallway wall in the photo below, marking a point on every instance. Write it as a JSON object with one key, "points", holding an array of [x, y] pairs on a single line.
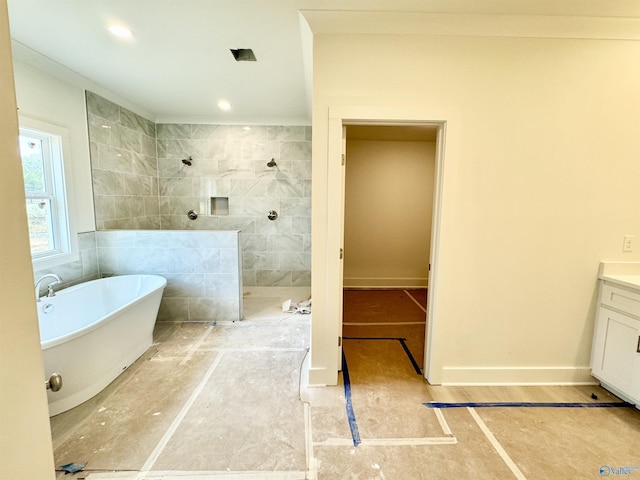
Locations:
{"points": [[539, 185], [388, 209]]}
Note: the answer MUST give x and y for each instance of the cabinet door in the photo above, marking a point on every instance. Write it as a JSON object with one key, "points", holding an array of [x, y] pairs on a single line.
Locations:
{"points": [[616, 359]]}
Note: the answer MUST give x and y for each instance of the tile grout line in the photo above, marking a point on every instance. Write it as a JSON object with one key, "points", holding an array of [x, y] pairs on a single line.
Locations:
{"points": [[496, 445], [415, 301], [157, 451]]}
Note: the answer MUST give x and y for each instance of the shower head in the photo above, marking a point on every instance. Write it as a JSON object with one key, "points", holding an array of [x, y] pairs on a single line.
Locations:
{"points": [[272, 163], [187, 161]]}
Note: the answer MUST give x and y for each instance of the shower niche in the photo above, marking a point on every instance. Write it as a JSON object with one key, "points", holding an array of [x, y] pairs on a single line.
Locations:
{"points": [[219, 206]]}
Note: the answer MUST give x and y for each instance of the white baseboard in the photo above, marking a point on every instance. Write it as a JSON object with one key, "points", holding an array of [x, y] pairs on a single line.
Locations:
{"points": [[315, 377], [517, 376], [362, 282]]}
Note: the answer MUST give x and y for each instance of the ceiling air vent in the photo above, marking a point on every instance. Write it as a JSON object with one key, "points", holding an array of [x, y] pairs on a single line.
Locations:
{"points": [[243, 55]]}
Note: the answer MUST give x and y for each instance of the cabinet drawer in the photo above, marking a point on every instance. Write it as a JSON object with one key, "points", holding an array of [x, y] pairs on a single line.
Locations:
{"points": [[627, 301]]}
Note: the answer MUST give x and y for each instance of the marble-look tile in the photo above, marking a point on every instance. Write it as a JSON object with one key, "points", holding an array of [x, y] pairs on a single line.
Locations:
{"points": [[105, 207], [185, 285], [138, 186], [229, 261], [301, 169], [236, 168], [173, 131], [295, 150], [185, 148], [172, 187], [212, 187], [301, 278], [281, 225], [214, 309], [252, 260], [254, 242], [192, 260], [296, 206], [148, 145], [99, 129], [301, 224], [273, 277], [254, 132], [126, 207], [260, 206], [87, 241], [286, 133], [220, 285], [151, 206], [249, 187], [102, 107], [285, 243], [145, 164], [136, 122], [260, 150], [236, 222], [173, 310], [295, 260], [284, 188], [114, 159], [210, 132], [126, 138], [106, 182], [215, 149]]}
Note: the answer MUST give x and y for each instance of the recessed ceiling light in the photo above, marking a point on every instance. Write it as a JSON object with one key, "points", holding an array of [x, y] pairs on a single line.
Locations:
{"points": [[224, 105], [120, 31], [247, 128]]}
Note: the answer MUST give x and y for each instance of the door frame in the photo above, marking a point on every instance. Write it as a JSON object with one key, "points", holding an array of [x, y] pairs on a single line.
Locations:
{"points": [[340, 117]]}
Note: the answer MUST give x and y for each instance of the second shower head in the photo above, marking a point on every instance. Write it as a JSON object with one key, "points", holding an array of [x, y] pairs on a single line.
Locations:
{"points": [[272, 163], [187, 161]]}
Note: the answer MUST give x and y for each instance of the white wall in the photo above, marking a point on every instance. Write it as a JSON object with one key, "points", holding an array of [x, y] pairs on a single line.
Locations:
{"points": [[47, 98], [540, 184], [388, 206], [25, 436]]}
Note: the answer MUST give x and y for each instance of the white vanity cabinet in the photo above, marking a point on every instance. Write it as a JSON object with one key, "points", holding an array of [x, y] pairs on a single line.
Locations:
{"points": [[615, 359]]}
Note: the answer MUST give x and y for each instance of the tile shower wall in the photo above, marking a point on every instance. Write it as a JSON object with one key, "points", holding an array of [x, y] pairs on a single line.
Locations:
{"points": [[123, 166], [202, 269], [231, 162]]}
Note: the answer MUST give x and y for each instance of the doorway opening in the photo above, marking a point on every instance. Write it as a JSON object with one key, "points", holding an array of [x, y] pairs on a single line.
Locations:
{"points": [[388, 210]]}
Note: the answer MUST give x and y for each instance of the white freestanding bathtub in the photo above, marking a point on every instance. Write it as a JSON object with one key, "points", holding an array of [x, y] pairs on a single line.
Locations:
{"points": [[93, 331]]}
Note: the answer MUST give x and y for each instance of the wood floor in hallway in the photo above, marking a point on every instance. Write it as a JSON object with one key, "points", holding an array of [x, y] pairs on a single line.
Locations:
{"points": [[226, 401]]}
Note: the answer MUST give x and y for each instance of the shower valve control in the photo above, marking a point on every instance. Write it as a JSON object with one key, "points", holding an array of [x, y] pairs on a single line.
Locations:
{"points": [[192, 214], [272, 215]]}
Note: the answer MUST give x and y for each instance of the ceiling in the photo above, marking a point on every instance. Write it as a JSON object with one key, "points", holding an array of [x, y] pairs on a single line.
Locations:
{"points": [[178, 64]]}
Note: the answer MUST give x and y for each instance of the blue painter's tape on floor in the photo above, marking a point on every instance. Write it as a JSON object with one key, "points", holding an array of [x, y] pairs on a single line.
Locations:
{"points": [[351, 416], [416, 367], [527, 404]]}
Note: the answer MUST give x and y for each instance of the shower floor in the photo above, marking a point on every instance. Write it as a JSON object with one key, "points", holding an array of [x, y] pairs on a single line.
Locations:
{"points": [[226, 402]]}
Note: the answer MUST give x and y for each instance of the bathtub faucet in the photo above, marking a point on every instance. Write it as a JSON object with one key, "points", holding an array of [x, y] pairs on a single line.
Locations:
{"points": [[50, 292]]}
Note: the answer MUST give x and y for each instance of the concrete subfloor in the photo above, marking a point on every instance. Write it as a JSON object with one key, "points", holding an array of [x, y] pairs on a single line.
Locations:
{"points": [[225, 401]]}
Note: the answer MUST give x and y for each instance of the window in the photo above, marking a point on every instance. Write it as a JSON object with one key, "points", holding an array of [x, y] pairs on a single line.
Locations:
{"points": [[41, 149]]}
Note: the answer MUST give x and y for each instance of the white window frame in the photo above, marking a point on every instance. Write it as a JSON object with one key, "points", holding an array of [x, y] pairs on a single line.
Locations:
{"points": [[60, 194]]}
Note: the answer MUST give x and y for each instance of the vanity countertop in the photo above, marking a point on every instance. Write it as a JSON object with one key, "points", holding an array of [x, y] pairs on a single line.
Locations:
{"points": [[622, 273], [632, 281]]}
